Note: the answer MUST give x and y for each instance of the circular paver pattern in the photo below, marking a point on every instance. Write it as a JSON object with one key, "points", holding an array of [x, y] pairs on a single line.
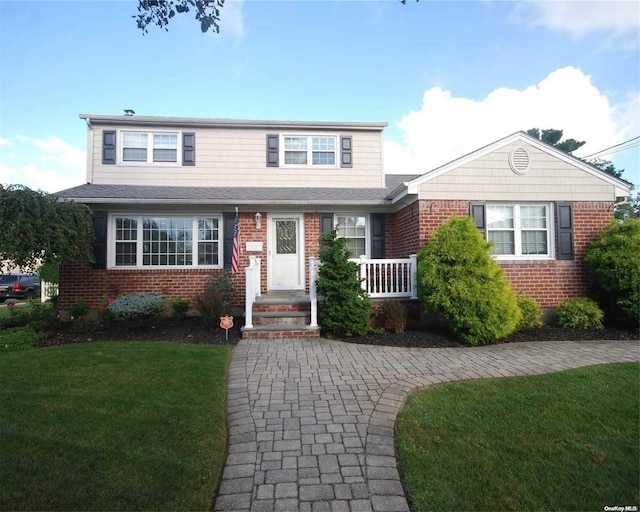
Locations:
{"points": [[311, 421]]}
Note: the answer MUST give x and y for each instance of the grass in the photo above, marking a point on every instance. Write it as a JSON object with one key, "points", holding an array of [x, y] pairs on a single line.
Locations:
{"points": [[564, 441], [112, 426]]}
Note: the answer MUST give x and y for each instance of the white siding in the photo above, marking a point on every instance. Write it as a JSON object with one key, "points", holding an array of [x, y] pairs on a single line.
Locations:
{"points": [[490, 178], [237, 158]]}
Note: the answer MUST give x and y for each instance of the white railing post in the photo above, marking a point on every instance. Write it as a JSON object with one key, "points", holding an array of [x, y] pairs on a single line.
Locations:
{"points": [[250, 293], [258, 275], [313, 294], [363, 273], [414, 276]]}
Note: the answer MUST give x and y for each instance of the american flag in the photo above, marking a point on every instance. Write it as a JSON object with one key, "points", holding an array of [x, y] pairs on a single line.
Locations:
{"points": [[235, 256]]}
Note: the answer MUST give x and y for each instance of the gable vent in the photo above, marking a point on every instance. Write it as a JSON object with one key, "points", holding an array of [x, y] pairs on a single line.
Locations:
{"points": [[519, 160]]}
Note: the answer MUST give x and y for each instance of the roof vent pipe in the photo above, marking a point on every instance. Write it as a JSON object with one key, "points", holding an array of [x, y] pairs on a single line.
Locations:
{"points": [[129, 112]]}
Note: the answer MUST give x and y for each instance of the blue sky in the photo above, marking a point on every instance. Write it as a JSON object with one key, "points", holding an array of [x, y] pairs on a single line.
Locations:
{"points": [[448, 77]]}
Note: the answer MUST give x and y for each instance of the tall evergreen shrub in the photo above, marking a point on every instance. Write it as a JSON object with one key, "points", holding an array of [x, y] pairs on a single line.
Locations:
{"points": [[612, 261], [458, 278], [345, 308]]}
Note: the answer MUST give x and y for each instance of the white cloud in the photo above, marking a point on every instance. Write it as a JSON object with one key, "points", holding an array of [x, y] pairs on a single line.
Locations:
{"points": [[580, 18], [447, 127], [4, 142], [232, 18], [43, 164]]}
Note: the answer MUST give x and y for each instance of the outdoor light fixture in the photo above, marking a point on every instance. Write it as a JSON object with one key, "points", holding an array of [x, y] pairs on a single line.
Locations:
{"points": [[258, 220]]}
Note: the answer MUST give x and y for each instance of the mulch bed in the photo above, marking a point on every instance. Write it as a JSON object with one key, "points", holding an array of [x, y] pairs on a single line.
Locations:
{"points": [[194, 330]]}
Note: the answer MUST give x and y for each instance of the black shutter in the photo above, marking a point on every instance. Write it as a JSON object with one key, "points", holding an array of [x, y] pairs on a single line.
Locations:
{"points": [[326, 225], [188, 149], [229, 220], [565, 231], [346, 152], [272, 150], [377, 236], [109, 147], [99, 220], [477, 212]]}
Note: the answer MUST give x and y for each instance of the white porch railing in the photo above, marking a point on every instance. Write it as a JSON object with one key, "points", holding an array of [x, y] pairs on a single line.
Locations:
{"points": [[47, 291], [388, 278], [252, 275], [382, 279]]}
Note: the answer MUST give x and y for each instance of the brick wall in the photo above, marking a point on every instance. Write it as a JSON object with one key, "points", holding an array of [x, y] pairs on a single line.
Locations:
{"points": [[548, 282]]}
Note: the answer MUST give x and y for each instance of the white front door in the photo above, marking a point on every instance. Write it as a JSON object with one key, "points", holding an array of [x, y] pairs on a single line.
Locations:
{"points": [[286, 252]]}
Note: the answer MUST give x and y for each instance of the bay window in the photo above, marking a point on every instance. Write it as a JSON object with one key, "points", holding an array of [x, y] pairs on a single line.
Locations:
{"points": [[152, 241]]}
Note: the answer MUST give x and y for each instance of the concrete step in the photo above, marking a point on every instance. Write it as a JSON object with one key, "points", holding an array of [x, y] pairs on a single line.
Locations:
{"points": [[280, 331]]}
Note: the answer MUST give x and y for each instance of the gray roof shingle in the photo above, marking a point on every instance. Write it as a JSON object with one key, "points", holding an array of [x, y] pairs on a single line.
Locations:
{"points": [[91, 193]]}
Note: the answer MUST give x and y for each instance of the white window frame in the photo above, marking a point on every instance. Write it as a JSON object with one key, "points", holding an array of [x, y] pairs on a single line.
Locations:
{"points": [[517, 229], [367, 230], [111, 250], [149, 147], [309, 150]]}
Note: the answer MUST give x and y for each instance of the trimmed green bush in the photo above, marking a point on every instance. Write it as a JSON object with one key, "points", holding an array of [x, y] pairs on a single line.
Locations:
{"points": [[458, 278], [137, 305], [346, 308], [612, 261], [580, 313], [179, 307], [531, 314]]}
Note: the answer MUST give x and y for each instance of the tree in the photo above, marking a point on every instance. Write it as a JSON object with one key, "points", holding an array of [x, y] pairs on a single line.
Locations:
{"points": [[346, 308], [629, 209], [552, 137], [41, 228], [160, 12]]}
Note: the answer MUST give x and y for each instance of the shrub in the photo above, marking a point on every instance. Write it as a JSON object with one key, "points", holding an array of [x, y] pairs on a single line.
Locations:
{"points": [[346, 308], [458, 279], [137, 305], [612, 261], [79, 309], [179, 307], [580, 314], [18, 338], [531, 314], [216, 299], [395, 315]]}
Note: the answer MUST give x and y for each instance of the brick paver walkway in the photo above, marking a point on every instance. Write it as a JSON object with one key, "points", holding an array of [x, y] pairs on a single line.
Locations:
{"points": [[311, 422]]}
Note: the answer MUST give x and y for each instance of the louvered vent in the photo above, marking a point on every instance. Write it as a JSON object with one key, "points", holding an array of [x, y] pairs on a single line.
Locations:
{"points": [[519, 160]]}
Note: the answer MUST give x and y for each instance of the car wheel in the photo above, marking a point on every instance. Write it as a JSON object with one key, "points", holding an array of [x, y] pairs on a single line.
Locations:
{"points": [[29, 295]]}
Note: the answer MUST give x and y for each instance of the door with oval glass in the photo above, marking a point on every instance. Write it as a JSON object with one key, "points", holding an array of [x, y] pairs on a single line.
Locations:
{"points": [[286, 252]]}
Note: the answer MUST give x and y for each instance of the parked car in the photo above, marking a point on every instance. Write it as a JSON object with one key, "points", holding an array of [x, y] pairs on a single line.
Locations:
{"points": [[19, 286]]}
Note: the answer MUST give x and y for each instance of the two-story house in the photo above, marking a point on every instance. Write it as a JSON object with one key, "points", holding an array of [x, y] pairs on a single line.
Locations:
{"points": [[164, 192]]}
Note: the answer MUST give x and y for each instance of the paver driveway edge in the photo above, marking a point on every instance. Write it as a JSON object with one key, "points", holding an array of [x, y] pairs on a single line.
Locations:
{"points": [[311, 422]]}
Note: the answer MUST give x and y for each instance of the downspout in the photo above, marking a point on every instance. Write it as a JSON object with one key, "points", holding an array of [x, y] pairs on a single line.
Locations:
{"points": [[89, 175]]}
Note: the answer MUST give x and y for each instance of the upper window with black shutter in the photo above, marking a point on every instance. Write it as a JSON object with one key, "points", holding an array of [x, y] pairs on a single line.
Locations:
{"points": [[139, 147], [299, 150]]}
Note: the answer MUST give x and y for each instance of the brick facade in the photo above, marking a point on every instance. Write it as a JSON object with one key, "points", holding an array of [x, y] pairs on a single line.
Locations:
{"points": [[548, 282]]}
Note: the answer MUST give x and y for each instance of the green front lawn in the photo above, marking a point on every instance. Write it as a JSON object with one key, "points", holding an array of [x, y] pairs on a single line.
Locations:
{"points": [[564, 441], [112, 426]]}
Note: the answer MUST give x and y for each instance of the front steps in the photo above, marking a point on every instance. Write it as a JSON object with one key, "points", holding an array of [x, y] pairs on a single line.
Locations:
{"points": [[281, 315]]}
